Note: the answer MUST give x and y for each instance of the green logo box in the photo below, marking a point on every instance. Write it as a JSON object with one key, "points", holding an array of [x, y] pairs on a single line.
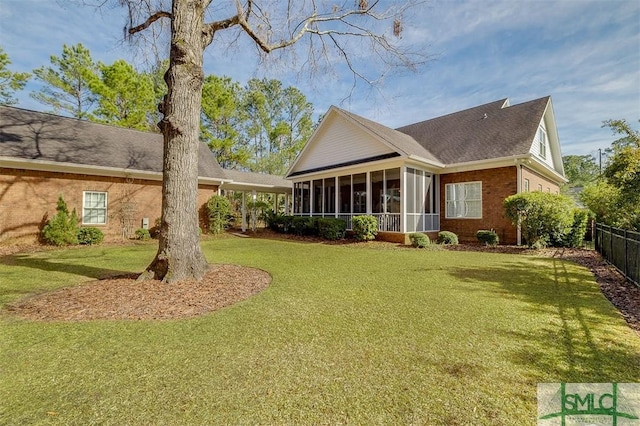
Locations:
{"points": [[569, 404]]}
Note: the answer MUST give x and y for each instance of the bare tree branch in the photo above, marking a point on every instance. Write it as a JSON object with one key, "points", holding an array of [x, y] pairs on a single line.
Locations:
{"points": [[153, 18]]}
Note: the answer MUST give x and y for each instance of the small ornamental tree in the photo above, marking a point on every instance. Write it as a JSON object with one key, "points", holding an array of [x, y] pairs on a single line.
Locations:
{"points": [[544, 218], [219, 213], [62, 229]]}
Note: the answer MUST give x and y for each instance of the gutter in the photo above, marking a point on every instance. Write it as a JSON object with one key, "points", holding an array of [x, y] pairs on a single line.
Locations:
{"points": [[57, 167]]}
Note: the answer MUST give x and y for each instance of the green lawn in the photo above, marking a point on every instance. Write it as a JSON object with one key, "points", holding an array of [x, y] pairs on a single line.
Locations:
{"points": [[344, 335]]}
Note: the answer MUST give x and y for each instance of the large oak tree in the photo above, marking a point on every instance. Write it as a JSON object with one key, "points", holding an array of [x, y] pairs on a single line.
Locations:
{"points": [[328, 28]]}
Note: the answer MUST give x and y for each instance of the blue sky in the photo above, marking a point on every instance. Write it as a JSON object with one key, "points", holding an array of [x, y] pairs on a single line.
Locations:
{"points": [[584, 53]]}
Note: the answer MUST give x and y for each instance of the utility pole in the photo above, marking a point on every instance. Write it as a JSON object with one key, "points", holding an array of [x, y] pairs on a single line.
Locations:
{"points": [[600, 159]]}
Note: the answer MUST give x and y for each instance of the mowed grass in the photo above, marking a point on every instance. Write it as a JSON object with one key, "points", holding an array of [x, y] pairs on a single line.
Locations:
{"points": [[344, 335]]}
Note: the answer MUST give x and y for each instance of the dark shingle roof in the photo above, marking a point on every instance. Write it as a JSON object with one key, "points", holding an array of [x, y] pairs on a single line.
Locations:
{"points": [[468, 136], [39, 136]]}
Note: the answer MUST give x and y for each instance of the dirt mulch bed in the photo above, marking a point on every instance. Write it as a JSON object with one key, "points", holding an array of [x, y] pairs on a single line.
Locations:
{"points": [[125, 298]]}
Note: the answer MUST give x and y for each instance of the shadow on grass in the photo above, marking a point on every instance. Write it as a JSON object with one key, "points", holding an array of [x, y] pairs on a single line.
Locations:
{"points": [[59, 265], [580, 340]]}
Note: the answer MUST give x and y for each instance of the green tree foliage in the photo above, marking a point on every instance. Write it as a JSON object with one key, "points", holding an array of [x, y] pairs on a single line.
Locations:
{"points": [[544, 218], [62, 229], [222, 120], [581, 170], [68, 81], [279, 121], [10, 81], [125, 97], [615, 199]]}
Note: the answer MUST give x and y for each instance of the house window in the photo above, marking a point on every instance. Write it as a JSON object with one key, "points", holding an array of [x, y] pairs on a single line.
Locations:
{"points": [[542, 140], [540, 187], [94, 208], [464, 200], [526, 185]]}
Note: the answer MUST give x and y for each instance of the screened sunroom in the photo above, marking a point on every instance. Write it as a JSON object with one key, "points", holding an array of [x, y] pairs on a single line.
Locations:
{"points": [[403, 199]]}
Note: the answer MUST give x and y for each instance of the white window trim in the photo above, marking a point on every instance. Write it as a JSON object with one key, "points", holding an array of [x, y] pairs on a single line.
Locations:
{"points": [[446, 201], [106, 204], [542, 142]]}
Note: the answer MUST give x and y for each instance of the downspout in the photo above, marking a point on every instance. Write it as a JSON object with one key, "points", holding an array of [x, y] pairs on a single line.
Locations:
{"points": [[518, 191]]}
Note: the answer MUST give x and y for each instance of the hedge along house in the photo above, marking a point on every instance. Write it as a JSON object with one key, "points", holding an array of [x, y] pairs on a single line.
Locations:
{"points": [[112, 176], [448, 173]]}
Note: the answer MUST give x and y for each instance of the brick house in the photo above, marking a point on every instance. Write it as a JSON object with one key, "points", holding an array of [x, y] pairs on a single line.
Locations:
{"points": [[448, 173], [112, 176]]}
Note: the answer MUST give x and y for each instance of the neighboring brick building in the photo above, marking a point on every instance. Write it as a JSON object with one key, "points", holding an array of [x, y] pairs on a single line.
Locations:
{"points": [[111, 176], [448, 173]]}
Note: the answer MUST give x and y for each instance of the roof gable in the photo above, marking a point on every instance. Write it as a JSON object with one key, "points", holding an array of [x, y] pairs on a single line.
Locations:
{"points": [[37, 136], [338, 139]]}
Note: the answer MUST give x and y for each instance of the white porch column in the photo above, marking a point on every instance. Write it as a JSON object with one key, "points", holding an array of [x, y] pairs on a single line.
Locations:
{"points": [[368, 192], [403, 199], [254, 219], [244, 213], [275, 203], [286, 203]]}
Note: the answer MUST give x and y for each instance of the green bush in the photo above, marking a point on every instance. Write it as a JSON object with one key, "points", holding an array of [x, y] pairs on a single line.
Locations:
{"points": [[419, 240], [489, 238], [62, 228], [90, 235], [304, 225], [142, 234], [447, 237], [544, 218], [365, 227], [575, 236], [219, 213], [331, 228]]}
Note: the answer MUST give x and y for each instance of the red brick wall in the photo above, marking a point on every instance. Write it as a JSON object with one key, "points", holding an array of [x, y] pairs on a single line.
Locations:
{"points": [[28, 197], [536, 181], [497, 184]]}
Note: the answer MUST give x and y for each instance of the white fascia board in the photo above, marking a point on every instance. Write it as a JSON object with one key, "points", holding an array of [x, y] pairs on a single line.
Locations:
{"points": [[426, 161], [243, 186], [56, 167], [490, 163], [350, 170]]}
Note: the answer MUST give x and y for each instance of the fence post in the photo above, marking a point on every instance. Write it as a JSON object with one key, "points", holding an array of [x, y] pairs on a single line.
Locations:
{"points": [[626, 254]]}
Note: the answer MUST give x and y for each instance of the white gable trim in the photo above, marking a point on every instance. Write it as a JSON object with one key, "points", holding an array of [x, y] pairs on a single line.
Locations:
{"points": [[553, 155], [340, 139]]}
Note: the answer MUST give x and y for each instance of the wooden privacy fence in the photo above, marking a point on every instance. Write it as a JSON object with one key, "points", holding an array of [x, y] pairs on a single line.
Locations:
{"points": [[621, 248]]}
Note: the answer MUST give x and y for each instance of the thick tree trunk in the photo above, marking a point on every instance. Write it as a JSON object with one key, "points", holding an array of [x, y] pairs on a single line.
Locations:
{"points": [[179, 255]]}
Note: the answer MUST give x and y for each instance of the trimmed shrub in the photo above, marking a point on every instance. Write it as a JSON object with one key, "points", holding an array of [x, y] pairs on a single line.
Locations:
{"points": [[304, 225], [544, 218], [447, 237], [489, 238], [331, 228], [576, 234], [90, 235], [219, 213], [142, 234], [419, 240], [62, 228], [365, 227]]}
